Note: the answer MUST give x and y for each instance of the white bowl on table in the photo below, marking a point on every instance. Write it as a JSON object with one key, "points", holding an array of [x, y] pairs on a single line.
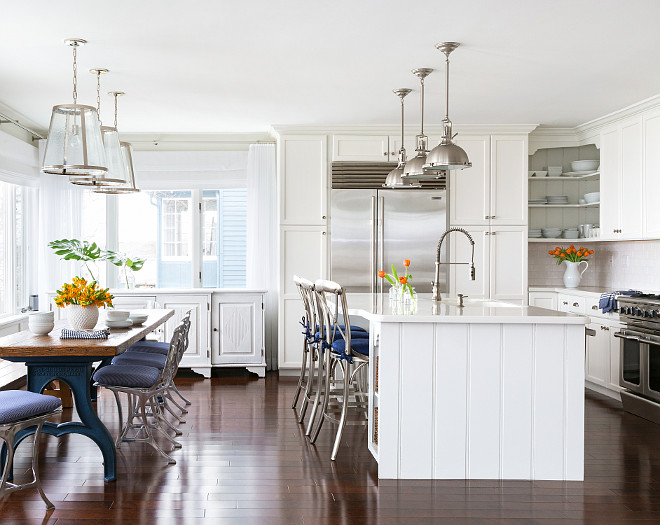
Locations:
{"points": [[41, 324], [137, 318], [592, 197], [117, 315], [585, 165]]}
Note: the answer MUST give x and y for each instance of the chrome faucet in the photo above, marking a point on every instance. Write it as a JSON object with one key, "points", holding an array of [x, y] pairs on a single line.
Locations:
{"points": [[436, 280]]}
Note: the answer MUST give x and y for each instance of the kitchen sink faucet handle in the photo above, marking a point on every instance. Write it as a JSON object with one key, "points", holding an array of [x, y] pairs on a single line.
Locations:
{"points": [[460, 299]]}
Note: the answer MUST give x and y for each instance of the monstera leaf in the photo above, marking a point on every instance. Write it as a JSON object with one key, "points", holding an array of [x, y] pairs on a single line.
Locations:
{"points": [[73, 249], [121, 259]]}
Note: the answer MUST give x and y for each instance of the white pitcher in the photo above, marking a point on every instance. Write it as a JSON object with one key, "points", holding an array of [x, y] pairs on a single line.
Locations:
{"points": [[573, 275]]}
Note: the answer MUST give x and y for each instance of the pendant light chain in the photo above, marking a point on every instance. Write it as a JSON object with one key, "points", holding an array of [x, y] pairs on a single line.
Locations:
{"points": [[116, 96], [98, 94], [74, 45]]}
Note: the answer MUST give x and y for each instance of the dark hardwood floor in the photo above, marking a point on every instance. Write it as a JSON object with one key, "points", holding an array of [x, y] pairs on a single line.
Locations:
{"points": [[245, 461]]}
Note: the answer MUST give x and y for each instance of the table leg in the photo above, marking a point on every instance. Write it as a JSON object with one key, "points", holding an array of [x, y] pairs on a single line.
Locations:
{"points": [[77, 376]]}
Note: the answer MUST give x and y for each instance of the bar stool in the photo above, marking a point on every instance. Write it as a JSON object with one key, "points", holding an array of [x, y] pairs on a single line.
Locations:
{"points": [[306, 289], [347, 350], [20, 410]]}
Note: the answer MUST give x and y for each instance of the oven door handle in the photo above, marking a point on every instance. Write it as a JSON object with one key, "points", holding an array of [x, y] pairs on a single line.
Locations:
{"points": [[590, 332], [627, 337]]}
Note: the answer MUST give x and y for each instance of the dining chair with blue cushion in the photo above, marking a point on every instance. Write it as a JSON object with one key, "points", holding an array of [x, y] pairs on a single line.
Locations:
{"points": [[19, 410]]}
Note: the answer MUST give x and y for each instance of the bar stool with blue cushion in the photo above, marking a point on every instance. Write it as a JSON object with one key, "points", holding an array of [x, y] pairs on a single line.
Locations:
{"points": [[346, 351], [20, 410]]}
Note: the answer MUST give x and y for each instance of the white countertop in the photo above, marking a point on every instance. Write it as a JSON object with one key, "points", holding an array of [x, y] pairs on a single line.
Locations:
{"points": [[187, 291], [582, 290], [447, 311]]}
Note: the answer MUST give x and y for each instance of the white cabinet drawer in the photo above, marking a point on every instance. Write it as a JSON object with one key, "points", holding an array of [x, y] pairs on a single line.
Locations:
{"points": [[563, 302], [576, 304]]}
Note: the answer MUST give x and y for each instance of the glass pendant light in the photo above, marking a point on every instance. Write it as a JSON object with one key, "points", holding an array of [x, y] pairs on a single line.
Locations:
{"points": [[447, 155], [115, 174], [126, 158], [74, 146], [394, 179], [415, 166]]}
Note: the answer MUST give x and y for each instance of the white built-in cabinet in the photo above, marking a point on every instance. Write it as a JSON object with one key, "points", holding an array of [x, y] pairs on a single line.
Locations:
{"points": [[236, 316], [489, 200], [630, 177], [302, 184], [375, 148]]}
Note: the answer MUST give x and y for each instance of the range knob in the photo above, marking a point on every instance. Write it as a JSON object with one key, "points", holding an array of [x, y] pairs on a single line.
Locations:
{"points": [[654, 313], [630, 310], [639, 311], [622, 310], [647, 313]]}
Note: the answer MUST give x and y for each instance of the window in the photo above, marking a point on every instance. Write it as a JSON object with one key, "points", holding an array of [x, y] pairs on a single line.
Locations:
{"points": [[15, 203], [190, 238]]}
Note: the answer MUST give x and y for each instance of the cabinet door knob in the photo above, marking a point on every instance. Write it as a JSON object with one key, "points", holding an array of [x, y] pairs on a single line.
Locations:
{"points": [[385, 153], [215, 329], [493, 233], [323, 217], [323, 233], [486, 217], [564, 302], [492, 216]]}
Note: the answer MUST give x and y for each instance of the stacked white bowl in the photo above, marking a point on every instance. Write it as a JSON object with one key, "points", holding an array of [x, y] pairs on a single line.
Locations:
{"points": [[570, 233], [551, 233], [41, 323]]}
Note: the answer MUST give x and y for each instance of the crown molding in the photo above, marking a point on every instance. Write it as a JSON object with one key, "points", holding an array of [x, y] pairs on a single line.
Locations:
{"points": [[394, 130]]}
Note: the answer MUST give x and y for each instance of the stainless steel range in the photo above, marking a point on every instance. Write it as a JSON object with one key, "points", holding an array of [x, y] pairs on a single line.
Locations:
{"points": [[639, 365]]}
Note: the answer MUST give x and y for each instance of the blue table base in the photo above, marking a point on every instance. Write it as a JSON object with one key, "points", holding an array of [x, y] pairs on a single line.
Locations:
{"points": [[76, 372]]}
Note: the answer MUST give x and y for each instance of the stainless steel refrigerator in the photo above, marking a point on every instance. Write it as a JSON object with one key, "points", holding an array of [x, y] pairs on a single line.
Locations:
{"points": [[371, 229]]}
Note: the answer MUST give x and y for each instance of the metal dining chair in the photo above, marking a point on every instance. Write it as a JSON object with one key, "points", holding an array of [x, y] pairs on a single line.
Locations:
{"points": [[347, 350], [19, 410]]}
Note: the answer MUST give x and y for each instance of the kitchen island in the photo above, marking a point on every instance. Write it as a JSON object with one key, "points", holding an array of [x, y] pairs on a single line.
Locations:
{"points": [[486, 391]]}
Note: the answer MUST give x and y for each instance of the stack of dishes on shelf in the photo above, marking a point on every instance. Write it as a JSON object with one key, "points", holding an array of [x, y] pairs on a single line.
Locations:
{"points": [[592, 197], [538, 201], [534, 234], [583, 167], [551, 233], [557, 199], [570, 233]]}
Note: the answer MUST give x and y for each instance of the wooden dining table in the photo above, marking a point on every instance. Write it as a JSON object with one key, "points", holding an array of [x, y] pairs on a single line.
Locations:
{"points": [[48, 357]]}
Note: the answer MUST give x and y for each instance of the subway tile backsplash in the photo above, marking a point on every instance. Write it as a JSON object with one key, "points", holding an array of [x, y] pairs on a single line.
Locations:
{"points": [[615, 265]]}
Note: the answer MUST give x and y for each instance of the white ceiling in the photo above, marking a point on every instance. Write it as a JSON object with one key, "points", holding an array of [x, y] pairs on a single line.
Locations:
{"points": [[235, 66]]}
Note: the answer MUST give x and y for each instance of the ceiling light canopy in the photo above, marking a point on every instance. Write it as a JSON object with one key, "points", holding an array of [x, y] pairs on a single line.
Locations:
{"points": [[394, 179], [74, 146], [447, 155]]}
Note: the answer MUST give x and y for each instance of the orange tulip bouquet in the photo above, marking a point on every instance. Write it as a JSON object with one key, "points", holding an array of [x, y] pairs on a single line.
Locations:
{"points": [[83, 294], [571, 254], [401, 284]]}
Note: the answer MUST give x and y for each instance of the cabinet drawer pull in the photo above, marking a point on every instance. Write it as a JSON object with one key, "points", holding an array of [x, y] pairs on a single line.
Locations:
{"points": [[385, 153], [576, 304], [594, 307]]}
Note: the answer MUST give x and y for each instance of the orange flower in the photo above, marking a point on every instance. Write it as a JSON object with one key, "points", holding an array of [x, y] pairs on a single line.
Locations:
{"points": [[406, 262], [403, 280], [572, 246], [551, 252], [591, 252], [562, 255], [579, 254], [381, 274]]}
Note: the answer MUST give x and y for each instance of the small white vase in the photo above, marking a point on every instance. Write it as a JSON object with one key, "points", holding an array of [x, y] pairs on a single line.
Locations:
{"points": [[573, 275], [82, 317]]}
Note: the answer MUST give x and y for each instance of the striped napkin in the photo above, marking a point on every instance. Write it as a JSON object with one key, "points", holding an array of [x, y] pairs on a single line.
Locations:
{"points": [[91, 334]]}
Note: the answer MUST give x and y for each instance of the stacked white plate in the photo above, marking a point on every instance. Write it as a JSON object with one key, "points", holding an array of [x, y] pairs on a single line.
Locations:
{"points": [[550, 233], [41, 323], [538, 201], [557, 199], [570, 233], [534, 234], [578, 173]]}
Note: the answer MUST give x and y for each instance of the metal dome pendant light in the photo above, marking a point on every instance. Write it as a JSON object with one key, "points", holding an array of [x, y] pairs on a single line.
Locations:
{"points": [[115, 174], [394, 179], [126, 159], [415, 166], [74, 146], [447, 155]]}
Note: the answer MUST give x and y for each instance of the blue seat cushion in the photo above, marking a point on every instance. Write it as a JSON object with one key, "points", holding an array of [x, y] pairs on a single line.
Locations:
{"points": [[132, 376], [151, 347], [354, 335], [141, 359], [359, 346], [16, 405]]}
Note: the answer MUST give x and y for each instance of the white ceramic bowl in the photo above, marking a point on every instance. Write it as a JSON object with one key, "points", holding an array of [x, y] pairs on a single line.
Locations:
{"points": [[41, 328], [555, 171], [138, 318], [41, 315], [585, 165], [582, 201], [117, 315], [541, 173], [592, 197]]}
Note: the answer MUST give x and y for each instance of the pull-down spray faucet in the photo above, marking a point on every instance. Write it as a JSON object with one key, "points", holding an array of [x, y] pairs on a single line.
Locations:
{"points": [[436, 280]]}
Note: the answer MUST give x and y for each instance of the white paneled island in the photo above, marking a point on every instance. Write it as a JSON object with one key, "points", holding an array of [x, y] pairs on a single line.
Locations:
{"points": [[487, 391]]}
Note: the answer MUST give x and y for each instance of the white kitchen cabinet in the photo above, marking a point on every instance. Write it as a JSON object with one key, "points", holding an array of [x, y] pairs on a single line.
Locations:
{"points": [[621, 211], [597, 360], [237, 336], [651, 177], [563, 302], [134, 302], [410, 143], [198, 354], [508, 172], [303, 177], [543, 300], [469, 189], [361, 148], [500, 259]]}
